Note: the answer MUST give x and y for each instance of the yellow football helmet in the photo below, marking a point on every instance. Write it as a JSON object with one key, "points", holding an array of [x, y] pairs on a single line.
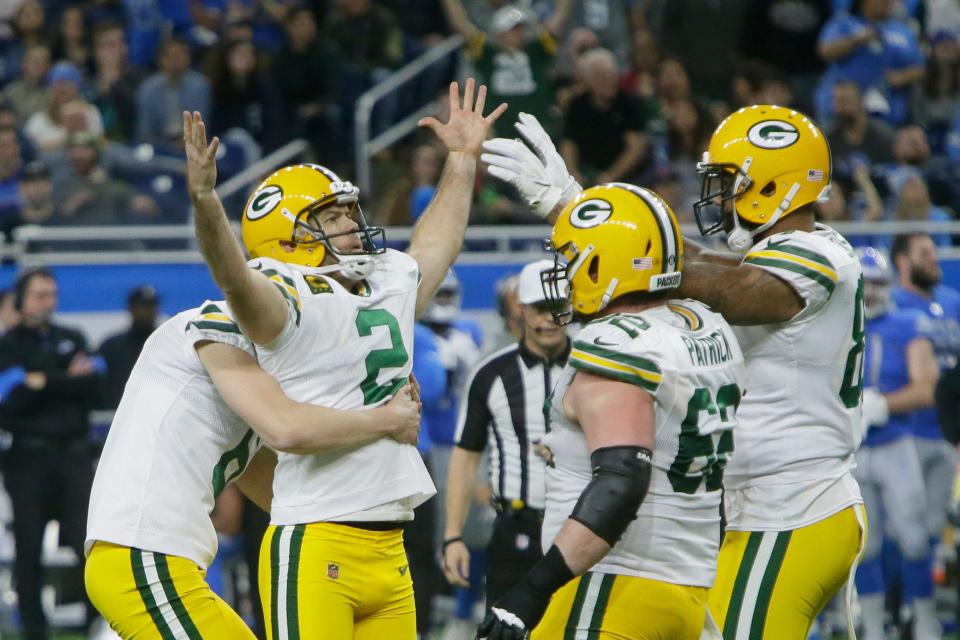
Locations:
{"points": [[611, 240], [283, 208], [769, 161]]}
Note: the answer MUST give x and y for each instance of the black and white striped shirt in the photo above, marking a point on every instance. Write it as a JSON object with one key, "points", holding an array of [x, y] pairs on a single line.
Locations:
{"points": [[503, 407]]}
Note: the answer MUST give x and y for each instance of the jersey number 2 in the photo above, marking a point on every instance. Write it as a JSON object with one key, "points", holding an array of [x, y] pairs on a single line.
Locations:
{"points": [[694, 445], [391, 358]]}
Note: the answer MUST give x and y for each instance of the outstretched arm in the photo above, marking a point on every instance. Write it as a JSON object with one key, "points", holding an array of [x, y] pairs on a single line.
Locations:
{"points": [[255, 303], [438, 234], [459, 20], [744, 295], [297, 427]]}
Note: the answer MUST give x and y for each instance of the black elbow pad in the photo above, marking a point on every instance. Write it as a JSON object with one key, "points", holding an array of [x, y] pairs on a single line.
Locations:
{"points": [[621, 477]]}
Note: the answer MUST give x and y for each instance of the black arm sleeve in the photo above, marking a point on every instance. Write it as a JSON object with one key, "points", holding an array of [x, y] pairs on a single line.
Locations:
{"points": [[621, 478]]}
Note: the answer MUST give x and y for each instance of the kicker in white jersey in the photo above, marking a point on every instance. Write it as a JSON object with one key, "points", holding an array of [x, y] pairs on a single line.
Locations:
{"points": [[688, 359], [173, 445], [346, 350], [799, 422]]}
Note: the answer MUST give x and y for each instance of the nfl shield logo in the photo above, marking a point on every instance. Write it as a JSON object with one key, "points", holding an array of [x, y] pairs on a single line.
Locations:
{"points": [[333, 571]]}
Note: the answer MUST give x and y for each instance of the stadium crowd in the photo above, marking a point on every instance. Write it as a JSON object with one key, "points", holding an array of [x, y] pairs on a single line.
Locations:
{"points": [[91, 97], [93, 91]]}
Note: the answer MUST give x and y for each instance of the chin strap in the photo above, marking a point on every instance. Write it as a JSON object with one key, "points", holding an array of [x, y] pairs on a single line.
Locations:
{"points": [[351, 267]]}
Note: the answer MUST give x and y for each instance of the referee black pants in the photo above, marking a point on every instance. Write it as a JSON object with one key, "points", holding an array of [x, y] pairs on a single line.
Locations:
{"points": [[46, 483], [514, 548]]}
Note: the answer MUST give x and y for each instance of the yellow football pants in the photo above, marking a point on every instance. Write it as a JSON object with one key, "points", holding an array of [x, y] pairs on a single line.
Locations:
{"points": [[603, 606], [336, 582], [152, 596], [771, 585]]}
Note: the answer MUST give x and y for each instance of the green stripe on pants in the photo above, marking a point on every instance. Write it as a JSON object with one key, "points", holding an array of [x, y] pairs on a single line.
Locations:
{"points": [[740, 585], [274, 566], [596, 622], [571, 631], [767, 584], [140, 579], [163, 571], [293, 572]]}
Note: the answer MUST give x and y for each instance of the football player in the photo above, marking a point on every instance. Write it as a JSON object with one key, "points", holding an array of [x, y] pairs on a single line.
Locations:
{"points": [[641, 426], [338, 332], [191, 420], [796, 291], [901, 374]]}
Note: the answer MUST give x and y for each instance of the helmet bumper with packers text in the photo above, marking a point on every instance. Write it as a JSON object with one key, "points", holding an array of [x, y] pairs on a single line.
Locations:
{"points": [[768, 161], [877, 281], [611, 240], [279, 222]]}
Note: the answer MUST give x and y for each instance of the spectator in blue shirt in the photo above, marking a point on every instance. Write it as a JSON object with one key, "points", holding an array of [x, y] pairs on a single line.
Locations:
{"points": [[11, 167], [165, 95], [876, 51]]}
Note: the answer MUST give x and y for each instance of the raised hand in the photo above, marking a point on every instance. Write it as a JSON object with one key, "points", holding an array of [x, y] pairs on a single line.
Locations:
{"points": [[540, 174], [201, 158], [467, 128]]}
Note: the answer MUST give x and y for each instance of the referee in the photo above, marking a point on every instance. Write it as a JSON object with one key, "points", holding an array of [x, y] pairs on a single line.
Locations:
{"points": [[503, 408]]}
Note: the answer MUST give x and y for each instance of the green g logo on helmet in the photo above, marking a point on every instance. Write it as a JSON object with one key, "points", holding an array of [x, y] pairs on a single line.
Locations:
{"points": [[590, 213], [264, 201], [773, 134]]}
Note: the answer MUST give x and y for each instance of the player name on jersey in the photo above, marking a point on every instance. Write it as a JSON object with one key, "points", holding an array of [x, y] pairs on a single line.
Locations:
{"points": [[710, 350]]}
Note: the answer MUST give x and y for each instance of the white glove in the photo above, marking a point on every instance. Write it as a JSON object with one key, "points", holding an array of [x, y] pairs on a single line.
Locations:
{"points": [[876, 412], [542, 177]]}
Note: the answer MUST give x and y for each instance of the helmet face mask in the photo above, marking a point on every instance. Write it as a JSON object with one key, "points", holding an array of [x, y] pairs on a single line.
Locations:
{"points": [[719, 183], [556, 285], [308, 229]]}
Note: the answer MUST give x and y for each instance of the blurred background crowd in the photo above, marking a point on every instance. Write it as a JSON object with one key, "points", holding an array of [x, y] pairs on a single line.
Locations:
{"points": [[91, 97], [631, 89]]}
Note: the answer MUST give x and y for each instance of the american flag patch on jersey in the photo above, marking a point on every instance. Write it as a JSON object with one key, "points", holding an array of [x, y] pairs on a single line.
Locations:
{"points": [[642, 264], [814, 175], [333, 571]]}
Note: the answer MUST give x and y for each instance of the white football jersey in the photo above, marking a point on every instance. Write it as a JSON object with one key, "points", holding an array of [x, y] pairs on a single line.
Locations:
{"points": [[799, 421], [173, 445], [346, 350], [688, 358]]}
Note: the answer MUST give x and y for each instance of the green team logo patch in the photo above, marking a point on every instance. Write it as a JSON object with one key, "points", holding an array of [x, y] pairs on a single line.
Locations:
{"points": [[773, 134], [591, 213], [263, 202]]}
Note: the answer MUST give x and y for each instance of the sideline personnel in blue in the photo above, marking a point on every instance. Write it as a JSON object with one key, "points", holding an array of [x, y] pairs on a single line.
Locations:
{"points": [[900, 375]]}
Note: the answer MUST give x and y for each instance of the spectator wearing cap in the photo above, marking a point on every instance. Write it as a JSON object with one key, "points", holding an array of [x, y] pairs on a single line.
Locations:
{"points": [[66, 111], [503, 414], [516, 68], [165, 95], [29, 94], [86, 194], [876, 51], [120, 351]]}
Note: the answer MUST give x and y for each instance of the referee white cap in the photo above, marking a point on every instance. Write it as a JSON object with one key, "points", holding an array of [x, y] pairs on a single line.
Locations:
{"points": [[529, 288]]}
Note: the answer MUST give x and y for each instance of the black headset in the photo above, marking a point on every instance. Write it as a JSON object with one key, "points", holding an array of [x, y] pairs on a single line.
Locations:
{"points": [[23, 280]]}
